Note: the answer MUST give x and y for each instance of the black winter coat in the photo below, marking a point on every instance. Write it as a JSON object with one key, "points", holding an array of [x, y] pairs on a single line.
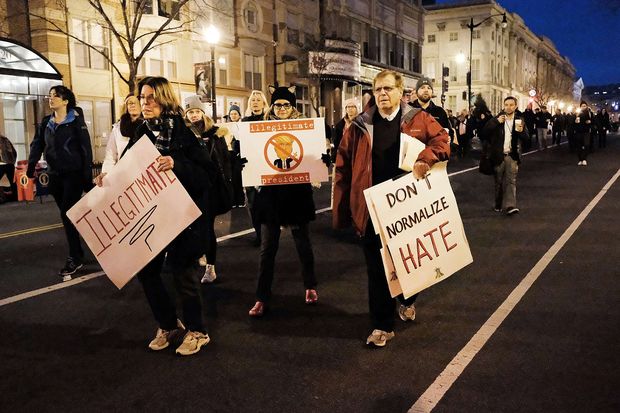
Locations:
{"points": [[67, 148], [494, 133], [439, 114]]}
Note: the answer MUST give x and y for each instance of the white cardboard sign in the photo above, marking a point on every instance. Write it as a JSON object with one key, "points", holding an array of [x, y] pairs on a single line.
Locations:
{"points": [[421, 229], [281, 152], [135, 214]]}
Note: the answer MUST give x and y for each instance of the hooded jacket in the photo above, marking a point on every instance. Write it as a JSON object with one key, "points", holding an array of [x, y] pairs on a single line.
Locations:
{"points": [[354, 161]]}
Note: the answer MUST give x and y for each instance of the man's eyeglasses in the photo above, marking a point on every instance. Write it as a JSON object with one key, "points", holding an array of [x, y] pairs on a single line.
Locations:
{"points": [[279, 106], [386, 89], [149, 99]]}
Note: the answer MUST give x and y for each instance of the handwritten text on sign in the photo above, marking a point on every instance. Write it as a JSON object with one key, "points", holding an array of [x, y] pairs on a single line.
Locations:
{"points": [[127, 222], [282, 151], [422, 228]]}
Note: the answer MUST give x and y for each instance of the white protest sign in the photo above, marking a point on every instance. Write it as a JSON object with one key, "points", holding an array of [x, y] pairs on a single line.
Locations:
{"points": [[422, 228], [135, 214], [282, 151]]}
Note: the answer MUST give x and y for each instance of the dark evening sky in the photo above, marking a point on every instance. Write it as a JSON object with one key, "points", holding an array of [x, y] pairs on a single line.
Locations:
{"points": [[586, 31]]}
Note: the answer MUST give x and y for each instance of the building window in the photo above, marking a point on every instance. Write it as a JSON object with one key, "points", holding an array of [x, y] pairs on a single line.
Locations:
{"points": [[454, 36], [156, 67], [164, 7], [431, 38], [492, 35], [222, 70], [250, 17], [302, 96], [94, 35], [475, 69], [476, 34], [172, 70], [452, 102], [252, 72]]}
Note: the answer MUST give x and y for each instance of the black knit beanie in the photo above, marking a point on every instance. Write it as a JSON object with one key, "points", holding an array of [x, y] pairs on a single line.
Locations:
{"points": [[283, 92]]}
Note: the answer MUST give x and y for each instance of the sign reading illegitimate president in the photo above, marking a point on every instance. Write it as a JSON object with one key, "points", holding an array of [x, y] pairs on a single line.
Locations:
{"points": [[281, 152], [135, 214]]}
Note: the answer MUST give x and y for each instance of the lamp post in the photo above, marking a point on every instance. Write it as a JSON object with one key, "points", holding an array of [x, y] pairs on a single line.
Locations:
{"points": [[472, 26], [212, 35]]}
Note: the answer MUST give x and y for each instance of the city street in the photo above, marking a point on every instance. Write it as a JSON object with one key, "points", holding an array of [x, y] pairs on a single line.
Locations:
{"points": [[530, 326]]}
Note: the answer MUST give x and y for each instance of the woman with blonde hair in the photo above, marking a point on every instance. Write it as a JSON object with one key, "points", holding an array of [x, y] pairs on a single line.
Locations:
{"points": [[180, 152], [130, 119]]}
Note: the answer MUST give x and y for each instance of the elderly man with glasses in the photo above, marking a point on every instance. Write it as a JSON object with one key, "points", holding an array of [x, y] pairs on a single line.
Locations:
{"points": [[367, 156]]}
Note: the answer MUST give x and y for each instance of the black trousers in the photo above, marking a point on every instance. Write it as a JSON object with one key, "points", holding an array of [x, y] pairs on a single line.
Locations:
{"points": [[251, 192], [209, 237], [187, 286], [602, 138], [583, 145], [380, 302], [67, 190], [270, 242], [556, 137]]}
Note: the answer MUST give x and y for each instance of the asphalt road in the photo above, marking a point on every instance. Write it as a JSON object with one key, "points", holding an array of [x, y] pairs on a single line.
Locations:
{"points": [[82, 347]]}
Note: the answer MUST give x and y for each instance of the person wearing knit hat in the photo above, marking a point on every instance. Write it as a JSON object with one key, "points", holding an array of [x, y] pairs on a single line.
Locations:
{"points": [[351, 108], [234, 113], [278, 206], [193, 102], [424, 92]]}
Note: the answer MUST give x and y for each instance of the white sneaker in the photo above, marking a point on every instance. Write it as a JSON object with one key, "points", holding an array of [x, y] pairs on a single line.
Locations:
{"points": [[202, 261], [580, 163], [209, 275], [378, 338], [162, 337], [192, 342], [406, 313], [584, 162]]}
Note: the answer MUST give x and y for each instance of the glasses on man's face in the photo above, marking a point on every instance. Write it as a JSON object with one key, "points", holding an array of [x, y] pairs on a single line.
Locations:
{"points": [[148, 99], [279, 106], [386, 89]]}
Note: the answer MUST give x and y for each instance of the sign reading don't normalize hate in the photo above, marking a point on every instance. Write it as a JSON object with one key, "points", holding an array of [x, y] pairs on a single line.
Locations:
{"points": [[135, 214]]}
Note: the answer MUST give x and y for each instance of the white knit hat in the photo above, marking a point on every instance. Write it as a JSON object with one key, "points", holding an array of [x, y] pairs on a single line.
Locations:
{"points": [[193, 102]]}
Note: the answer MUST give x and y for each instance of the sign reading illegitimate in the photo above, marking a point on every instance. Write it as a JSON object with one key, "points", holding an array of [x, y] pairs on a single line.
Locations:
{"points": [[135, 214], [282, 151]]}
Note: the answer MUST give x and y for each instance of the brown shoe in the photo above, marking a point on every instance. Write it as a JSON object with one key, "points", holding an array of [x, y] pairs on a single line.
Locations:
{"points": [[312, 297], [258, 310]]}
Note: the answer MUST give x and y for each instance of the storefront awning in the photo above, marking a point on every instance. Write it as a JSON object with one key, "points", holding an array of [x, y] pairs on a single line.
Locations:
{"points": [[17, 59]]}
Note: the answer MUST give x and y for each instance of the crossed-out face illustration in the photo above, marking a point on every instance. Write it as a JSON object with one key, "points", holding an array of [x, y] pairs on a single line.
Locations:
{"points": [[287, 149]]}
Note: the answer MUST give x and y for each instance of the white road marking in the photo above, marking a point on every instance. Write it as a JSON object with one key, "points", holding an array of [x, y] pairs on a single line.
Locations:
{"points": [[431, 397], [55, 287]]}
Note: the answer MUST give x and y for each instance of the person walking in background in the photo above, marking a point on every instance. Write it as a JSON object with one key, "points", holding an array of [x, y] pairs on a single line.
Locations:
{"points": [[182, 153], [284, 206], [464, 133], [234, 154], [424, 92], [505, 133], [530, 124], [583, 132], [351, 111], [558, 125], [571, 116], [603, 126], [63, 137], [367, 156], [542, 124], [8, 157], [212, 138], [122, 130], [256, 108]]}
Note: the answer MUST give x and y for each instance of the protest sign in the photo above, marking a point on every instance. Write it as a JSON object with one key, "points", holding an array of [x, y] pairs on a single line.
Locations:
{"points": [[135, 214], [421, 228], [282, 152]]}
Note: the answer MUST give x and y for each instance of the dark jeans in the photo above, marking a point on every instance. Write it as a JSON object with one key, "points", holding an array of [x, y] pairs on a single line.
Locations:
{"points": [[583, 145], [380, 302], [556, 138], [187, 286], [251, 192], [602, 138], [67, 191], [210, 238], [269, 247]]}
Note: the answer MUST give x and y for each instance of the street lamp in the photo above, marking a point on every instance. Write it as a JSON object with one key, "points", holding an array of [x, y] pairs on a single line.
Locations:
{"points": [[472, 26], [212, 35]]}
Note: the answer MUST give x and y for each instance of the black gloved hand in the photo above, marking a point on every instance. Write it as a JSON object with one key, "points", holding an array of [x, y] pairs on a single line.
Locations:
{"points": [[327, 160], [242, 162]]}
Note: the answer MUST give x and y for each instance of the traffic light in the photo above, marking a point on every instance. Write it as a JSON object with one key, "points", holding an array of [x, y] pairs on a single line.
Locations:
{"points": [[445, 71], [464, 95], [444, 85]]}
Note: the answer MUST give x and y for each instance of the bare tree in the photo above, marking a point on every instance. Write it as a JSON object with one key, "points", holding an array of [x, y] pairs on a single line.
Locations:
{"points": [[123, 18]]}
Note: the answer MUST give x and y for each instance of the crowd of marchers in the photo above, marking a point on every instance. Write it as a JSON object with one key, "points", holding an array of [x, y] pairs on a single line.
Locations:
{"points": [[206, 158]]}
